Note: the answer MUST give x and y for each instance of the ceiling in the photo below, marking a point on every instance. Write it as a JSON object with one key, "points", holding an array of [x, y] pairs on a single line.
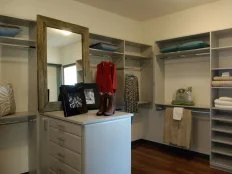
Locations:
{"points": [[57, 38], [142, 10]]}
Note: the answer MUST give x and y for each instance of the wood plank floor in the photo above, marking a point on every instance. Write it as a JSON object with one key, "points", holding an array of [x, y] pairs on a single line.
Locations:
{"points": [[149, 159]]}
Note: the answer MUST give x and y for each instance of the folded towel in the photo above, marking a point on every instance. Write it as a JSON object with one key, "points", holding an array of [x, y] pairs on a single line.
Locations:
{"points": [[223, 78], [223, 106], [224, 103], [225, 99], [222, 83], [178, 113]]}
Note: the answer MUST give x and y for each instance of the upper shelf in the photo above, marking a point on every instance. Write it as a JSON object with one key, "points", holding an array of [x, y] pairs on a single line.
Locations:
{"points": [[222, 48], [136, 56], [18, 42], [183, 54], [16, 21], [98, 52]]}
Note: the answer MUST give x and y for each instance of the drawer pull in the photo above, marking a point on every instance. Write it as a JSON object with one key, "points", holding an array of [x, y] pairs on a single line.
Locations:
{"points": [[60, 155], [61, 139], [60, 171], [61, 127]]}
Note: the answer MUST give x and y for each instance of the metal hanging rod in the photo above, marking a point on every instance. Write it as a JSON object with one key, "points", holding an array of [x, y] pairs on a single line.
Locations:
{"points": [[201, 112]]}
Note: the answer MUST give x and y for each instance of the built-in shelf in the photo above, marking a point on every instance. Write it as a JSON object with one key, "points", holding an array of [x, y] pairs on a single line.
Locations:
{"points": [[16, 21], [136, 56], [222, 150], [12, 41], [185, 106], [223, 140], [222, 118], [222, 162], [221, 109], [222, 48], [133, 68], [18, 117], [182, 54], [224, 129], [221, 69], [221, 87], [98, 52]]}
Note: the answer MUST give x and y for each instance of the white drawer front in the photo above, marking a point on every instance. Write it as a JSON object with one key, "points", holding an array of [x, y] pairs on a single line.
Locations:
{"points": [[66, 140], [66, 126], [64, 155], [61, 168]]}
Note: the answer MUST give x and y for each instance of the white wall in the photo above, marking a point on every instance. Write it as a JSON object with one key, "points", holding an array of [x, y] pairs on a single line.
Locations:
{"points": [[98, 21], [53, 55], [209, 17], [71, 53]]}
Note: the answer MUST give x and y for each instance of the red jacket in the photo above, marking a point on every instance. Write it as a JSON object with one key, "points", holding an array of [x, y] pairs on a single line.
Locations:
{"points": [[106, 78]]}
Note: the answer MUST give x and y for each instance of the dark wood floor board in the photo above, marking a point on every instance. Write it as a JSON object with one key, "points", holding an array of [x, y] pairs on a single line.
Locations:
{"points": [[147, 159]]}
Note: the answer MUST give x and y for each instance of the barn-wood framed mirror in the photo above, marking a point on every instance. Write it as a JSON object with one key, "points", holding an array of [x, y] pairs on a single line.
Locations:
{"points": [[62, 59]]}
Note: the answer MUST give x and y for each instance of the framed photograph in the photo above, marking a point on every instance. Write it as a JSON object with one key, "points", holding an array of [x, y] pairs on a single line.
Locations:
{"points": [[91, 95], [73, 100]]}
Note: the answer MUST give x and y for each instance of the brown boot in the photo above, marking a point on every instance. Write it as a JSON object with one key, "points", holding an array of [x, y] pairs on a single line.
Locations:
{"points": [[103, 104], [111, 105]]}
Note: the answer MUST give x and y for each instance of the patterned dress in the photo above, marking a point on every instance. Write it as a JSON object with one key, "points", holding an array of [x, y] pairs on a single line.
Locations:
{"points": [[131, 94]]}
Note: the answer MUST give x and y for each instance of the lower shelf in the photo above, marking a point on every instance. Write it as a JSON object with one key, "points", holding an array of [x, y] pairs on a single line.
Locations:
{"points": [[222, 138], [224, 129], [223, 162], [227, 151], [18, 117]]}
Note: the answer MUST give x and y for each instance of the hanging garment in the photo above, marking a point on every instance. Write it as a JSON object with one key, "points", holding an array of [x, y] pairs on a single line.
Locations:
{"points": [[131, 94], [178, 132], [106, 78]]}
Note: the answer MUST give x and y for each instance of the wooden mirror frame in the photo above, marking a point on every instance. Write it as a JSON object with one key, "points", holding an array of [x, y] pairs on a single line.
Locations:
{"points": [[42, 23]]}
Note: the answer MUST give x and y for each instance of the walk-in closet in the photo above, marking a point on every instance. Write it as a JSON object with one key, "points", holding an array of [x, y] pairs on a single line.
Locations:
{"points": [[115, 87]]}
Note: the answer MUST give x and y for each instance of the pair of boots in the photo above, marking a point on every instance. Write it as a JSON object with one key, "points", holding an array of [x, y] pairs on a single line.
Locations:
{"points": [[107, 105]]}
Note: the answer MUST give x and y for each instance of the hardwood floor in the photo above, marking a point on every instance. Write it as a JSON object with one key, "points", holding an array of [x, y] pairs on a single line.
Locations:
{"points": [[149, 159]]}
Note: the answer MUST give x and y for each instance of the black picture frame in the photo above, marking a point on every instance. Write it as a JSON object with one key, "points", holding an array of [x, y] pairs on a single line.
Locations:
{"points": [[92, 96], [73, 100]]}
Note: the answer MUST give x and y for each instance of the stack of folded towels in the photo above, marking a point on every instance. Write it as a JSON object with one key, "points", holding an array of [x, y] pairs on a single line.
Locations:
{"points": [[223, 102], [222, 81]]}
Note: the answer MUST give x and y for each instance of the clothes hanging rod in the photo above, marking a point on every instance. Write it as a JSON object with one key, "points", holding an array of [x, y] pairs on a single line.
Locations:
{"points": [[201, 112]]}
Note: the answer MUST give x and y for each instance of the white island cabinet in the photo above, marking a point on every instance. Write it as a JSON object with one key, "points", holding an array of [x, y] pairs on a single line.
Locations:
{"points": [[85, 144]]}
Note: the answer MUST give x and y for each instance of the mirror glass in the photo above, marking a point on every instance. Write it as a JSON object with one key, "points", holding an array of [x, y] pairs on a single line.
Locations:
{"points": [[64, 60]]}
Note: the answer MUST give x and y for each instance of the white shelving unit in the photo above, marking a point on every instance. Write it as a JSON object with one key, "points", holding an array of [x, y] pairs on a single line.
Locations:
{"points": [[18, 67], [221, 118], [130, 57], [217, 60]]}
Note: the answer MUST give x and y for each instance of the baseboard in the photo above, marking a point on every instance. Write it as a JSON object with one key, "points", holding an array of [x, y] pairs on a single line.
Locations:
{"points": [[169, 149]]}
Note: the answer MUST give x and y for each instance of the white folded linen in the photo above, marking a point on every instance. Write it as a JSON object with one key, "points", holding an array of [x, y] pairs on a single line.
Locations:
{"points": [[225, 99], [221, 102]]}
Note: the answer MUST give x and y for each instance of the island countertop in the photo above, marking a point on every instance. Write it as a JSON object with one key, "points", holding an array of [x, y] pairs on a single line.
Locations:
{"points": [[87, 118]]}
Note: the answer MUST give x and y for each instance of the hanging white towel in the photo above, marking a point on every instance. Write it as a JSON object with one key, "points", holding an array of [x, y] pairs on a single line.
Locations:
{"points": [[178, 113]]}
